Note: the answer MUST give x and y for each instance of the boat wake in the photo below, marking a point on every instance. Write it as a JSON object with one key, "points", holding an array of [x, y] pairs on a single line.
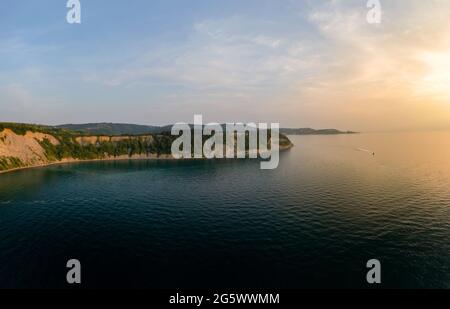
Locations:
{"points": [[366, 150]]}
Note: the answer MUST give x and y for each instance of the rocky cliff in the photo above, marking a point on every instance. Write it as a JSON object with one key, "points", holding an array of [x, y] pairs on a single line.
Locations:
{"points": [[28, 146]]}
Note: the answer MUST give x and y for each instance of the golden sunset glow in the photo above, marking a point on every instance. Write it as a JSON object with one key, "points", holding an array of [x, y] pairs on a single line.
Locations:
{"points": [[317, 64], [437, 81]]}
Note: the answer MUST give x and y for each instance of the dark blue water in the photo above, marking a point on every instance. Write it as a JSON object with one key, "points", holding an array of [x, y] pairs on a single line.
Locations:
{"points": [[313, 222]]}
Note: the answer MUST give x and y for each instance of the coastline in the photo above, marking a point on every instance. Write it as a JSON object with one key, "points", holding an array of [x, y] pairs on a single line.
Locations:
{"points": [[70, 161], [118, 158]]}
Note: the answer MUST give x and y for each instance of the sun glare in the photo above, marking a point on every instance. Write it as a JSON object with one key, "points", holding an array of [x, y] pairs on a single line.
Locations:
{"points": [[437, 80]]}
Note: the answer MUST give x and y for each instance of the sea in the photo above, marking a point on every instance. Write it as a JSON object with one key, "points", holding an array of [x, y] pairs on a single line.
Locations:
{"points": [[334, 203]]}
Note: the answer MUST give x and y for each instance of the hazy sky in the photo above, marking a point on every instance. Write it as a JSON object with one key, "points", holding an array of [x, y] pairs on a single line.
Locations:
{"points": [[301, 63]]}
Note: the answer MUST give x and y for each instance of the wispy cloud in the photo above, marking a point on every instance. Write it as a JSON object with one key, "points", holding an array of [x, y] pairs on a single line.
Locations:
{"points": [[314, 63], [218, 53]]}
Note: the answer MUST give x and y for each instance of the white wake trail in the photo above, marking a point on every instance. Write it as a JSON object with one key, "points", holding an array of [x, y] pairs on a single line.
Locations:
{"points": [[366, 151]]}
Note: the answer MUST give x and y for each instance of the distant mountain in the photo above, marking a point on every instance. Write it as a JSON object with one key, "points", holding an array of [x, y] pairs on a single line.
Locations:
{"points": [[134, 129], [112, 128], [309, 131]]}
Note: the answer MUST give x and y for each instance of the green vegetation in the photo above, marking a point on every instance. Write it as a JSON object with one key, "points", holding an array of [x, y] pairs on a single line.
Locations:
{"points": [[284, 141], [68, 147], [113, 128], [133, 129], [92, 147], [133, 145], [21, 128], [7, 163]]}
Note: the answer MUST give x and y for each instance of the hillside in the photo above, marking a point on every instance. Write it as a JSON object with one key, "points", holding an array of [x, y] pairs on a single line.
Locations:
{"points": [[309, 131], [25, 145], [133, 129], [112, 128]]}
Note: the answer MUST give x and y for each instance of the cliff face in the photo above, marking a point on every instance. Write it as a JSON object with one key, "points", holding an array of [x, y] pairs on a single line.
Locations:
{"points": [[26, 146], [23, 150], [93, 140], [37, 148]]}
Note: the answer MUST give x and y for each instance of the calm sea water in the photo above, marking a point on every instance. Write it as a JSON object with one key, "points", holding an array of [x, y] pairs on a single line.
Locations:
{"points": [[313, 222]]}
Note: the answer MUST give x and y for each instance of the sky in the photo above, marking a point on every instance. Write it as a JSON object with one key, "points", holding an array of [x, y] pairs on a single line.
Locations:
{"points": [[310, 63]]}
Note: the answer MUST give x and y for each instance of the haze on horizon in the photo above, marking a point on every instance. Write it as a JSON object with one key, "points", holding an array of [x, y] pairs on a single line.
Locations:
{"points": [[305, 63]]}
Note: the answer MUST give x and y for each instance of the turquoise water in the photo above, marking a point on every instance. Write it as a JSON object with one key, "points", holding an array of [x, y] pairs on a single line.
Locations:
{"points": [[314, 222]]}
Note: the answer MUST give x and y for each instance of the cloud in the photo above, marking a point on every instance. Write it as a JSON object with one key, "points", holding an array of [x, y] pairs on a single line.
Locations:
{"points": [[316, 63], [379, 74], [217, 54]]}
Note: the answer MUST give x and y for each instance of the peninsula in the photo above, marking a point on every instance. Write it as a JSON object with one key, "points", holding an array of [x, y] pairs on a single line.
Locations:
{"points": [[30, 145]]}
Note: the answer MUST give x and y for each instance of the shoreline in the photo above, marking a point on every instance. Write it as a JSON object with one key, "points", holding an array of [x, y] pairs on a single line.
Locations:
{"points": [[71, 161], [136, 158]]}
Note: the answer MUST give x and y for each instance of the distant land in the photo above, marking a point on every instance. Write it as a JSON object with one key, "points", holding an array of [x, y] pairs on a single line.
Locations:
{"points": [[114, 128], [134, 129], [31, 145], [309, 131]]}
